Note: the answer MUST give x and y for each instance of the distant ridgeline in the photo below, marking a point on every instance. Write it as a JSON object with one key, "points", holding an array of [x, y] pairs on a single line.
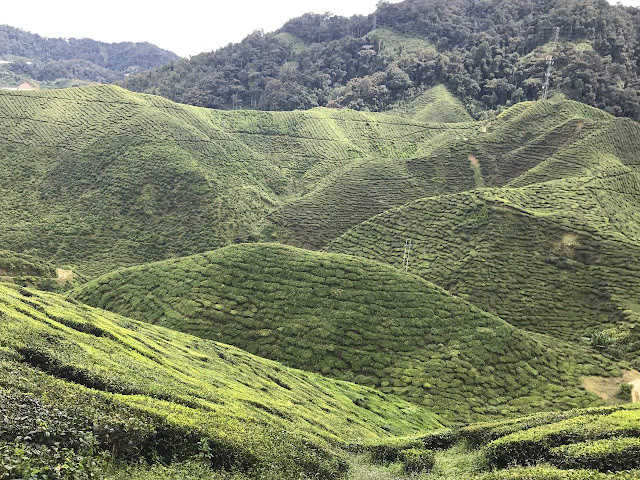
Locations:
{"points": [[490, 54], [59, 62]]}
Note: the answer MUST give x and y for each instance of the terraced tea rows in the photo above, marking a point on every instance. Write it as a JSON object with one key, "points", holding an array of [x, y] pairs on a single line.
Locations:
{"points": [[435, 105], [357, 320], [98, 177], [104, 382], [552, 252], [527, 138], [593, 443]]}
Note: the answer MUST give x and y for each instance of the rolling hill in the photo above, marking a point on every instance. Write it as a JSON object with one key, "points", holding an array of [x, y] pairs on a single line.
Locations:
{"points": [[100, 178], [529, 143], [30, 271], [563, 236], [81, 387], [354, 319]]}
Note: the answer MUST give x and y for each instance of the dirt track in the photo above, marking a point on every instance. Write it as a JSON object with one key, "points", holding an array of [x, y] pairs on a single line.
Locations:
{"points": [[635, 393]]}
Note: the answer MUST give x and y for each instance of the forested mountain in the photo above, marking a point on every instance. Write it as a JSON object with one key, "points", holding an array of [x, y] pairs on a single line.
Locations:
{"points": [[489, 53], [60, 61]]}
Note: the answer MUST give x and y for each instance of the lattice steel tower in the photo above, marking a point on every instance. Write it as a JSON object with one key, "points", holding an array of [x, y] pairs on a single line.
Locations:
{"points": [[550, 61], [407, 253]]}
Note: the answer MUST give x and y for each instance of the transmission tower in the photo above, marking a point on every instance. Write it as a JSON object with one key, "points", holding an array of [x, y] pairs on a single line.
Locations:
{"points": [[550, 60], [407, 253]]}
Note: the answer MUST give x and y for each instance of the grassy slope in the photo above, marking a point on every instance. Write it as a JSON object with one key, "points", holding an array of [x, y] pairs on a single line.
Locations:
{"points": [[563, 236], [353, 319], [466, 156], [436, 105], [593, 443], [99, 177], [31, 271], [163, 393], [537, 272], [88, 185]]}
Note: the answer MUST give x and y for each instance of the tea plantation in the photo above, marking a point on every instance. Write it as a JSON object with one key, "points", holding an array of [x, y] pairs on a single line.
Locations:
{"points": [[98, 177], [569, 247], [30, 271], [77, 381], [523, 280], [529, 143], [357, 320]]}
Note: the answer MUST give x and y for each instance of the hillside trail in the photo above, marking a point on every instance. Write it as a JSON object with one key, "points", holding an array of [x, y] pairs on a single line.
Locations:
{"points": [[607, 388], [635, 393]]}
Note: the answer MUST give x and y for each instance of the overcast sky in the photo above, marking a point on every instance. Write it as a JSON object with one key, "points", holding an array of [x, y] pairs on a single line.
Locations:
{"points": [[186, 27]]}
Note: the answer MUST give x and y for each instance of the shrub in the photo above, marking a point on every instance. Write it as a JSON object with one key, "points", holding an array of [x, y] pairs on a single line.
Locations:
{"points": [[417, 460], [529, 446], [625, 392], [611, 454], [439, 439]]}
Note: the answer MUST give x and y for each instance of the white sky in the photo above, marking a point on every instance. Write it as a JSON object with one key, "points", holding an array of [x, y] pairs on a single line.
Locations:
{"points": [[186, 27]]}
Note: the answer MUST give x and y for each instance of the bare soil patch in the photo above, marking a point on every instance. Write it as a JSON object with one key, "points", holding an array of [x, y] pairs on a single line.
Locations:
{"points": [[607, 388]]}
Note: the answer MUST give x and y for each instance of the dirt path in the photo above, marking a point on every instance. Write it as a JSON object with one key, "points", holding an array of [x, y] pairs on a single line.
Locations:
{"points": [[635, 393], [608, 388]]}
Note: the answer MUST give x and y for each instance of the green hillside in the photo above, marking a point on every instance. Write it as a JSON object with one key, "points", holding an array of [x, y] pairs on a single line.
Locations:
{"points": [[354, 319], [100, 178], [529, 143], [60, 62], [564, 236], [435, 105], [30, 271], [490, 55], [77, 381], [580, 444]]}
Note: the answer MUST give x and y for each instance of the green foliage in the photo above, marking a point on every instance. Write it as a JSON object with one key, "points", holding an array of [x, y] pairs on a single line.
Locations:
{"points": [[30, 271], [436, 105], [567, 217], [78, 383], [551, 473], [124, 178], [58, 62], [20, 264], [625, 392], [528, 446], [417, 460], [355, 320], [611, 454], [490, 55]]}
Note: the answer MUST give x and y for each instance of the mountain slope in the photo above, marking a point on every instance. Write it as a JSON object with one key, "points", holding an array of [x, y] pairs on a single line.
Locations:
{"points": [[436, 105], [354, 319], [552, 252], [59, 62], [98, 177], [528, 143], [77, 380], [490, 54], [27, 270]]}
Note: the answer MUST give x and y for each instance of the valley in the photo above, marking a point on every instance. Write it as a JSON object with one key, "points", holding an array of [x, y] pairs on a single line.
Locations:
{"points": [[357, 249]]}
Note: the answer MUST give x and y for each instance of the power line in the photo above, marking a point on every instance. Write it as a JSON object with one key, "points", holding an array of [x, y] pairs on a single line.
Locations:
{"points": [[550, 61]]}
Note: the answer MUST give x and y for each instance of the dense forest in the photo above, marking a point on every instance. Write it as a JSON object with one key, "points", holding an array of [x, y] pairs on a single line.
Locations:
{"points": [[63, 60], [489, 53]]}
